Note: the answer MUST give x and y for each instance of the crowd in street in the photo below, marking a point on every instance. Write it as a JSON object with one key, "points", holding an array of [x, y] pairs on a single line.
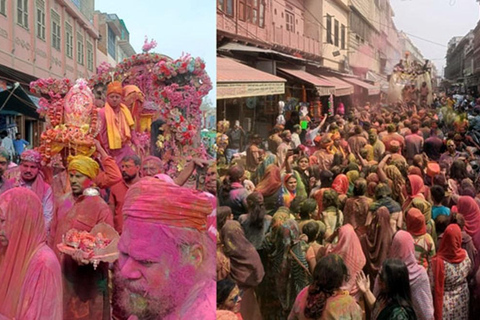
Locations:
{"points": [[372, 213]]}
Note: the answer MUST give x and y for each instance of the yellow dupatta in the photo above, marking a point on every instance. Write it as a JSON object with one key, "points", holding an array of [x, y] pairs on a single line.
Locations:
{"points": [[113, 131]]}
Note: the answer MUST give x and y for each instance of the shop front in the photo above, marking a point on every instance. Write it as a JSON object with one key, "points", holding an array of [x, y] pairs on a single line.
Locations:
{"points": [[248, 95]]}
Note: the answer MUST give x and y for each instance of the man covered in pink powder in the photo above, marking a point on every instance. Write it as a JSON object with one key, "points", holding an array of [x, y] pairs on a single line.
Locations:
{"points": [[167, 260], [31, 178]]}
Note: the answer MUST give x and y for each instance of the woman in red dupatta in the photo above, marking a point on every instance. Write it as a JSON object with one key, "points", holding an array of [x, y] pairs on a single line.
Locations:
{"points": [[270, 187], [350, 249], [414, 186], [341, 185], [448, 277], [30, 275]]}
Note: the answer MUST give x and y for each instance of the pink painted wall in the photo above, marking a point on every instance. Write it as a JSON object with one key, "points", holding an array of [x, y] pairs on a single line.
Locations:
{"points": [[22, 50]]}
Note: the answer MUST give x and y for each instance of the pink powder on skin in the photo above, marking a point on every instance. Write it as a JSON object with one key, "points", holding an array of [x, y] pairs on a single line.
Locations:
{"points": [[157, 273]]}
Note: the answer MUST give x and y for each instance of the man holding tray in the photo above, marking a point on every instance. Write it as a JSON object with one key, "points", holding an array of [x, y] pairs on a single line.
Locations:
{"points": [[85, 288]]}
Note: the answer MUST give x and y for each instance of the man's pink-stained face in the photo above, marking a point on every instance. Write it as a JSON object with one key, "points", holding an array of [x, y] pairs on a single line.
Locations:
{"points": [[211, 180], [114, 99], [154, 277], [29, 170], [150, 169]]}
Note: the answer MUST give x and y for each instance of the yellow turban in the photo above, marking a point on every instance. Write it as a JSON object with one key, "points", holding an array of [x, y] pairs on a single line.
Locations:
{"points": [[85, 165]]}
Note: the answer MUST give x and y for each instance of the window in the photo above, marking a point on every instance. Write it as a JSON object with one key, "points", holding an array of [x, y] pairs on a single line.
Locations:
{"points": [[89, 56], [22, 13], [41, 19], [3, 9], [336, 33], [261, 19], [343, 32], [241, 9], [112, 50], [290, 21], [225, 6], [56, 35], [69, 40], [252, 11], [329, 29], [80, 54]]}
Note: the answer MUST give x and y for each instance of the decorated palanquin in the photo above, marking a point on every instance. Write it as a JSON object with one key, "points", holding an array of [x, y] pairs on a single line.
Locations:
{"points": [[71, 118], [157, 87]]}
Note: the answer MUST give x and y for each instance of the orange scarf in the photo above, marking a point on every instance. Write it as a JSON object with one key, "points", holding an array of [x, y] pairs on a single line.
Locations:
{"points": [[115, 131]]}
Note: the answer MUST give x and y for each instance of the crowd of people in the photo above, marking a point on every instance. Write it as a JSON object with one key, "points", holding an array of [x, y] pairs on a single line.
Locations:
{"points": [[166, 248], [374, 214]]}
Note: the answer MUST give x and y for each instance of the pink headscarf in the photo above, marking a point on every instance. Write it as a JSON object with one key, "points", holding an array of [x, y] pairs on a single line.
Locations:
{"points": [[25, 230], [403, 248], [468, 207], [350, 249]]}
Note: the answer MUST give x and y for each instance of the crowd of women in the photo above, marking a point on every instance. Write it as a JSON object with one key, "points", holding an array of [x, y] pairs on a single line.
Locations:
{"points": [[371, 215]]}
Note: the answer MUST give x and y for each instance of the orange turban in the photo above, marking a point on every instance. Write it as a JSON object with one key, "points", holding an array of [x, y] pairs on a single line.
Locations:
{"points": [[159, 202], [115, 87]]}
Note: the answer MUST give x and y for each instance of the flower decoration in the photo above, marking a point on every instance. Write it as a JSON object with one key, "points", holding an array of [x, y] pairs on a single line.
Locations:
{"points": [[51, 87], [71, 118], [147, 46], [103, 75]]}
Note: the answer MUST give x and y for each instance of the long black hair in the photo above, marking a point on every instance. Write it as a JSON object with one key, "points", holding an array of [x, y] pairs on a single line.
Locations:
{"points": [[328, 276], [256, 209], [224, 288], [394, 275]]}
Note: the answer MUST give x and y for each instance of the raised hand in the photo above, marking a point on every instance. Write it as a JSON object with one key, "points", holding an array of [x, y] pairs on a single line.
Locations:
{"points": [[363, 282]]}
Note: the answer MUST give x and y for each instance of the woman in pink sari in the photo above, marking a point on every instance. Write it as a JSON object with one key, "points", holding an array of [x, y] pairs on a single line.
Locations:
{"points": [[350, 249], [30, 275], [471, 212], [403, 248]]}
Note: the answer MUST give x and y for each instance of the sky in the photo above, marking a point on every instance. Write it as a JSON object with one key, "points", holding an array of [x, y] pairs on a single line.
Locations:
{"points": [[437, 21], [177, 26]]}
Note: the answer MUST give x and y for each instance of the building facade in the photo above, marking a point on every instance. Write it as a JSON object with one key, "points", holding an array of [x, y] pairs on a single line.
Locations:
{"points": [[114, 41], [48, 38]]}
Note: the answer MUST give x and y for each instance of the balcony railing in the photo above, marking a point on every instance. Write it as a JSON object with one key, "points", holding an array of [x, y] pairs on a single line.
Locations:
{"points": [[272, 35]]}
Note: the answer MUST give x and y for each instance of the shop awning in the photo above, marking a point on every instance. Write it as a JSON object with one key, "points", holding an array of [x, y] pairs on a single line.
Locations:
{"points": [[379, 80], [342, 88], [233, 46], [324, 87], [16, 99], [236, 80], [372, 90]]}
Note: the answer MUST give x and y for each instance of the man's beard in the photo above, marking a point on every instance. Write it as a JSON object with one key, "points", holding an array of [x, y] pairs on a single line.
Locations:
{"points": [[135, 299], [128, 178]]}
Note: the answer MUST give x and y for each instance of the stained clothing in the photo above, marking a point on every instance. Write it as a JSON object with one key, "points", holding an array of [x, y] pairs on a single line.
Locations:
{"points": [[85, 289], [30, 275]]}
